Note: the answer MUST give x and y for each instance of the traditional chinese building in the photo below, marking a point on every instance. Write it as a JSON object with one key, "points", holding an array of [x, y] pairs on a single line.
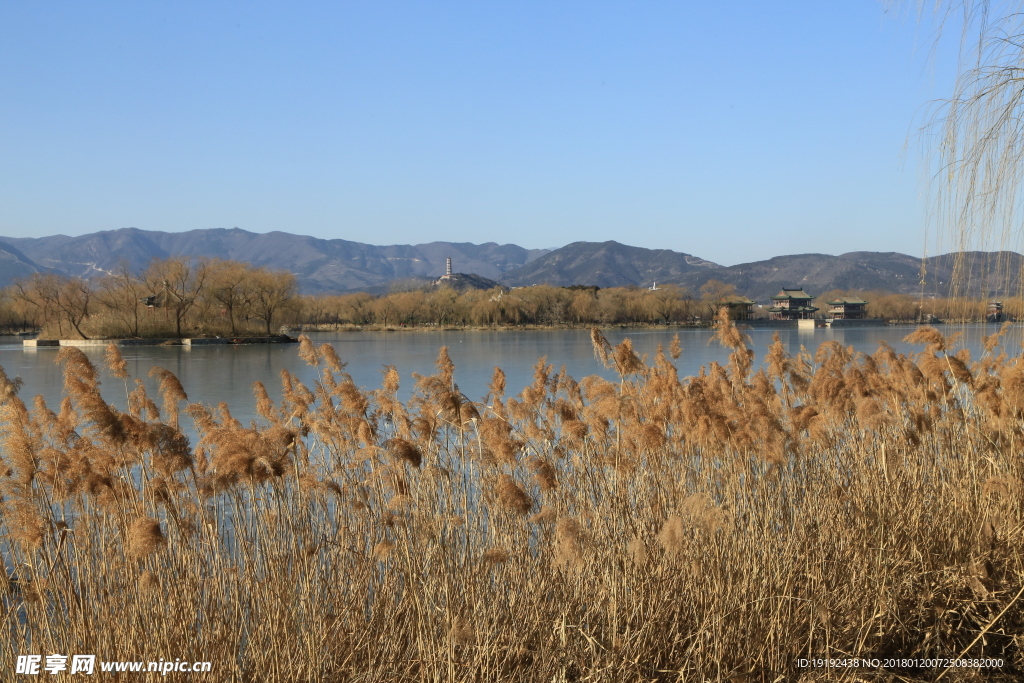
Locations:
{"points": [[848, 308], [740, 307], [791, 304], [995, 313]]}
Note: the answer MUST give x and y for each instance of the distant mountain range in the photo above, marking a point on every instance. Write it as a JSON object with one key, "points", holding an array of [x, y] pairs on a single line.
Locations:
{"points": [[607, 264], [320, 265], [982, 274], [340, 265]]}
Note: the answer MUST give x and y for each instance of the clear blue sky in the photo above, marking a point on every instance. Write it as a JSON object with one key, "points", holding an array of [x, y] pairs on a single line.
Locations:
{"points": [[731, 130]]}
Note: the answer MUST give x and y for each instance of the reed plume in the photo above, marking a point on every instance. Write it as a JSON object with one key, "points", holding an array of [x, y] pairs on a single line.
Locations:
{"points": [[602, 349], [171, 392], [405, 451], [145, 537], [116, 363], [512, 496], [569, 543], [815, 505]]}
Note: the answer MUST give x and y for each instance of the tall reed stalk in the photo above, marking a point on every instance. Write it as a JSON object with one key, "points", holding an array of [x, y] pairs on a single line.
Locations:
{"points": [[654, 528]]}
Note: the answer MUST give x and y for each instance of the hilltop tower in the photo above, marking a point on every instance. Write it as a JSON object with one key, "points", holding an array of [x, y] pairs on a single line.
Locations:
{"points": [[448, 267]]}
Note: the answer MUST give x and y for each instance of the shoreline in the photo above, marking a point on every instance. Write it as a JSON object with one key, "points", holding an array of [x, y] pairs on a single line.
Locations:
{"points": [[190, 341], [286, 338], [301, 329], [748, 324]]}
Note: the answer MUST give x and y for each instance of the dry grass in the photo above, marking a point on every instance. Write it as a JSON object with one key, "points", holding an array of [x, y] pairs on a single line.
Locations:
{"points": [[717, 527]]}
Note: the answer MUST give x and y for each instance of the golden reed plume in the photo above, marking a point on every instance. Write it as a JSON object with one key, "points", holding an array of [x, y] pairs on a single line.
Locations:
{"points": [[812, 505]]}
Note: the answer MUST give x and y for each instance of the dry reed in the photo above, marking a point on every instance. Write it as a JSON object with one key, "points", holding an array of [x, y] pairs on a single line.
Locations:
{"points": [[657, 528]]}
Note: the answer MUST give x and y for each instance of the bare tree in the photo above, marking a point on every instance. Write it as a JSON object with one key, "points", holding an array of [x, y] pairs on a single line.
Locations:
{"points": [[314, 309], [385, 311], [583, 306], [73, 301], [270, 292], [177, 284], [409, 305], [56, 300], [38, 295], [356, 308], [441, 305], [712, 294], [121, 293], [667, 303], [231, 286]]}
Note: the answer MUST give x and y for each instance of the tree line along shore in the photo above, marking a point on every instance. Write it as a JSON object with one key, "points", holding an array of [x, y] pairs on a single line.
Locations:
{"points": [[177, 297]]}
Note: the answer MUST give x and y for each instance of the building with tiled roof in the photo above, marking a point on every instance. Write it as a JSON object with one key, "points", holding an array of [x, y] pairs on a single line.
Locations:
{"points": [[847, 308], [791, 304], [740, 307], [995, 312]]}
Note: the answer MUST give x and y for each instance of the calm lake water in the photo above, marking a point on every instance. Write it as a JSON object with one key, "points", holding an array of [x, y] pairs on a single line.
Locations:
{"points": [[225, 373]]}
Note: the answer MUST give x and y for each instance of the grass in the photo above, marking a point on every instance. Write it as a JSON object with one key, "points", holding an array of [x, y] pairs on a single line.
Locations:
{"points": [[657, 528]]}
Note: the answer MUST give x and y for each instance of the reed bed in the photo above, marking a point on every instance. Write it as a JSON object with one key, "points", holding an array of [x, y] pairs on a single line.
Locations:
{"points": [[655, 528]]}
